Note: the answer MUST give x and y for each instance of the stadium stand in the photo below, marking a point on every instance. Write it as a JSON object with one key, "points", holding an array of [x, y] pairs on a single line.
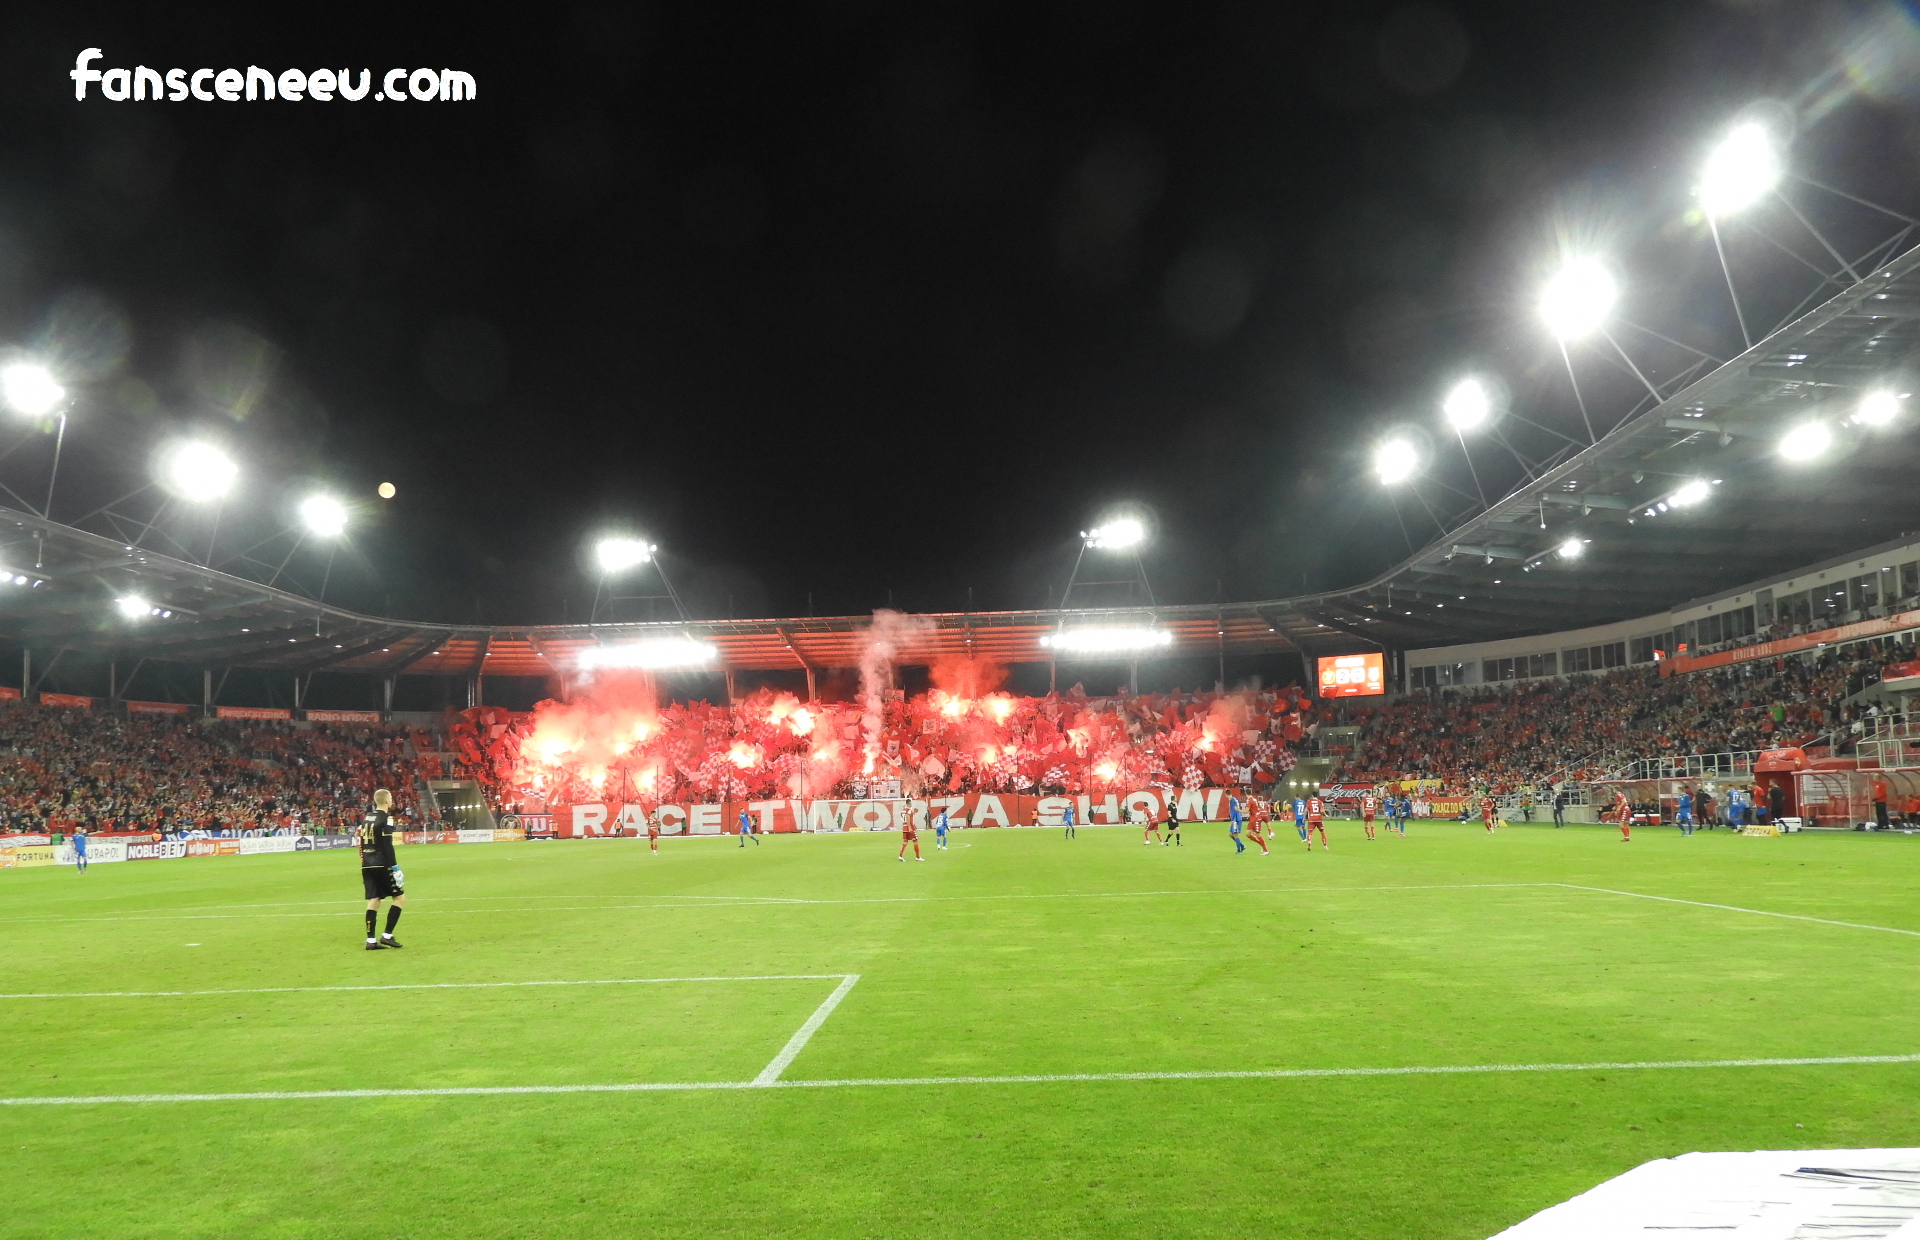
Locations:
{"points": [[108, 772]]}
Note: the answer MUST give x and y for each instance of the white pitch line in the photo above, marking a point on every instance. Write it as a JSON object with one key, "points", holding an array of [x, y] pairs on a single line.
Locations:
{"points": [[795, 1044], [280, 990], [1735, 908], [1034, 1079], [665, 901]]}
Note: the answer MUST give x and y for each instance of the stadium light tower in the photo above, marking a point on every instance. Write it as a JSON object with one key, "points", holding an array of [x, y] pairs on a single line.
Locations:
{"points": [[1808, 441], [1122, 535], [323, 516], [1116, 535], [198, 472], [1578, 299], [1877, 409], [31, 391], [1468, 405], [618, 554], [1395, 461], [1740, 171]]}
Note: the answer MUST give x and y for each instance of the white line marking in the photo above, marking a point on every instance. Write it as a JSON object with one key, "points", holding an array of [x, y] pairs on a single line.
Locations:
{"points": [[278, 990], [1735, 908], [795, 1044], [667, 902], [675, 1086]]}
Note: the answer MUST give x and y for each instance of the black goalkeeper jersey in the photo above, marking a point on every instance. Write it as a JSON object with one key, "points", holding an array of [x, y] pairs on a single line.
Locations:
{"points": [[376, 841]]}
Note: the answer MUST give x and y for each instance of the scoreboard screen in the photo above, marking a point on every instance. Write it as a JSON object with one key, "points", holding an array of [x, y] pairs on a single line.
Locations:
{"points": [[1353, 675]]}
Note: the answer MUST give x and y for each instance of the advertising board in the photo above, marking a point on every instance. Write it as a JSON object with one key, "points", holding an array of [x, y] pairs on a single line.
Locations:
{"points": [[158, 708], [251, 712], [344, 716]]}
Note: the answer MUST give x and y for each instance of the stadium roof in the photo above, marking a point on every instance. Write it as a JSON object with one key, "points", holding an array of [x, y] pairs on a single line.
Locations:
{"points": [[1763, 516]]}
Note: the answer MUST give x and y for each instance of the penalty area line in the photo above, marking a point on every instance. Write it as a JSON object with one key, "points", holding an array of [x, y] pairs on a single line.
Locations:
{"points": [[1028, 1079], [1735, 908], [602, 981]]}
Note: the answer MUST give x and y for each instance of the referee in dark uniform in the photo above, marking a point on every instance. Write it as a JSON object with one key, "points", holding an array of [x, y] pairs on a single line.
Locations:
{"points": [[379, 871]]}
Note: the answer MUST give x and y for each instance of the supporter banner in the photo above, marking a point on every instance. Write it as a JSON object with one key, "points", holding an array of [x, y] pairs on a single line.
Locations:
{"points": [[66, 699], [158, 708], [97, 850], [249, 712], [344, 716], [267, 844], [1787, 645], [976, 809], [319, 843], [537, 826], [164, 850], [9, 695]]}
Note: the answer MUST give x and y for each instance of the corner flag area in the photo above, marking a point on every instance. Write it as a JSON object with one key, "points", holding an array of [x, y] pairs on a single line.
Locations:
{"points": [[1437, 1035]]}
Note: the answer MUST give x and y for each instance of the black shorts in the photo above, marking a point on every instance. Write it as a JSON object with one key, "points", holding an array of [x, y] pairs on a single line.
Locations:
{"points": [[379, 884]]}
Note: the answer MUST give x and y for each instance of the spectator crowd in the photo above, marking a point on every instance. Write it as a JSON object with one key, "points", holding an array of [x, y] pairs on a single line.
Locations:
{"points": [[110, 772]]}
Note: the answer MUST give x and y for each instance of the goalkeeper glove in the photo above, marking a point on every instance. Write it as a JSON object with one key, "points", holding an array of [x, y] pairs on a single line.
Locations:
{"points": [[399, 878]]}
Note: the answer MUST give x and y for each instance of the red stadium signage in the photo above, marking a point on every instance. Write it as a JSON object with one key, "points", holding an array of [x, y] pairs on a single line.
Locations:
{"points": [[1682, 662], [343, 716], [250, 712], [9, 695], [66, 699], [1353, 675], [158, 708]]}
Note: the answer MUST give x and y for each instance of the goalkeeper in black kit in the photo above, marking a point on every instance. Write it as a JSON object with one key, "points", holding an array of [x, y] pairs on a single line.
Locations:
{"points": [[379, 871]]}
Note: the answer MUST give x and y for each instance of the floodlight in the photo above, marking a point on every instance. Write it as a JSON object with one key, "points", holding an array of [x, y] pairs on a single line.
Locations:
{"points": [[653, 655], [198, 472], [1467, 405], [133, 607], [1106, 641], [30, 389], [1692, 493], [1578, 299], [324, 515], [387, 490], [1117, 535], [1806, 442], [1572, 549], [1743, 169], [619, 554], [1877, 409], [1395, 461]]}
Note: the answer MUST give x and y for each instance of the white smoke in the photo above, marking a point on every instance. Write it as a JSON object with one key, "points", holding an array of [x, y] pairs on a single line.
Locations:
{"points": [[891, 635]]}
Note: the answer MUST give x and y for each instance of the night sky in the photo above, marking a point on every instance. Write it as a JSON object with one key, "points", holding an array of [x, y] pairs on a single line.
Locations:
{"points": [[872, 303]]}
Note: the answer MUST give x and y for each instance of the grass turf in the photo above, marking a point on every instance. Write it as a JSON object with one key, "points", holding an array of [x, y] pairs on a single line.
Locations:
{"points": [[1015, 952]]}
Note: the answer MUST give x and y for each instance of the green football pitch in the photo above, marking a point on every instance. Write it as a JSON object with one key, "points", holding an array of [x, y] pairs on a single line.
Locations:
{"points": [[1023, 1035]]}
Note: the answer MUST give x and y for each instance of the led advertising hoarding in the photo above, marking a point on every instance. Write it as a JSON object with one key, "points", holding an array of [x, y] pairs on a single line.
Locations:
{"points": [[1353, 675]]}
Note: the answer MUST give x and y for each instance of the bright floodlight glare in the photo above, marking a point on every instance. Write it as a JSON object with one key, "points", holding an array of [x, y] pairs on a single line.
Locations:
{"points": [[29, 389], [619, 554], [1743, 169], [199, 472], [1877, 409], [1102, 641], [1572, 549], [324, 515], [1578, 299], [1467, 405], [1394, 461], [1806, 442], [1692, 493], [133, 607], [387, 490], [653, 655], [1117, 535]]}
